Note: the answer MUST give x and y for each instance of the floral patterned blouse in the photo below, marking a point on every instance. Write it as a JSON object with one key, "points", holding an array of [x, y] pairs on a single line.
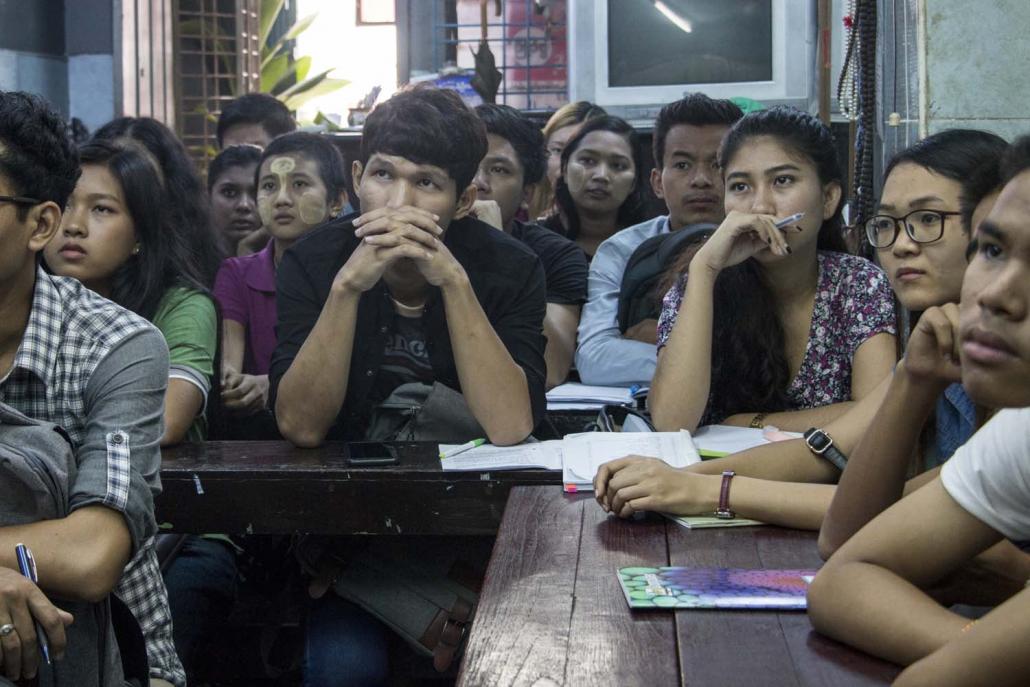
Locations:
{"points": [[853, 303]]}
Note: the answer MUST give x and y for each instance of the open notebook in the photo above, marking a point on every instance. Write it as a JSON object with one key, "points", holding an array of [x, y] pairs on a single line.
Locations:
{"points": [[672, 587], [584, 453]]}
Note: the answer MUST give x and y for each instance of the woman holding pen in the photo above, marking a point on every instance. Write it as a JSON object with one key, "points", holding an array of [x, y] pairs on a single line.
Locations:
{"points": [[769, 321]]}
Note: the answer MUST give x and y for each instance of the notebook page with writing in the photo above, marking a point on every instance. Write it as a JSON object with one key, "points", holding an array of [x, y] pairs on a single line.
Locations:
{"points": [[585, 453]]}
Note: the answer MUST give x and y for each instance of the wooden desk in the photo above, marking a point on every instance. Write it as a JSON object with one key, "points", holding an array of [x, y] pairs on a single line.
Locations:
{"points": [[271, 487], [552, 612]]}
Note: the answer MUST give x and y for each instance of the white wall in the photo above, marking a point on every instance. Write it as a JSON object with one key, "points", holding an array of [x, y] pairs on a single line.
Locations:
{"points": [[364, 55]]}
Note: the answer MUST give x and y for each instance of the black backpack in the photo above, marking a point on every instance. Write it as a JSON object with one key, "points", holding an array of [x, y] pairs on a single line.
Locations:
{"points": [[645, 269]]}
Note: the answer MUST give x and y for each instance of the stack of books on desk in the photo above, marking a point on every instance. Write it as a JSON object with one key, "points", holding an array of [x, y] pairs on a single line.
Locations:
{"points": [[573, 396], [578, 456]]}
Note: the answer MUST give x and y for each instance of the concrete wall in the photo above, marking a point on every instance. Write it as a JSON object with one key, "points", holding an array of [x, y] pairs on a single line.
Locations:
{"points": [[976, 65], [32, 49], [89, 31], [62, 50]]}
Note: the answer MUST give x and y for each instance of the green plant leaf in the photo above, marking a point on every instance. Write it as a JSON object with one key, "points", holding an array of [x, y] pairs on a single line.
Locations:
{"points": [[298, 100], [330, 125], [304, 85], [274, 72], [270, 10], [300, 27], [303, 66]]}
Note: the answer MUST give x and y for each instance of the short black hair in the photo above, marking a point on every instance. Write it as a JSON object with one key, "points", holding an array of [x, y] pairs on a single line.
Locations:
{"points": [[953, 153], [517, 129], [242, 155], [429, 126], [1016, 159], [981, 182], [318, 148], [256, 108], [696, 109], [36, 154]]}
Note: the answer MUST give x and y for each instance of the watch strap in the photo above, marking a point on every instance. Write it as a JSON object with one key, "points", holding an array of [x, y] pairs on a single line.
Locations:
{"points": [[830, 452], [723, 511]]}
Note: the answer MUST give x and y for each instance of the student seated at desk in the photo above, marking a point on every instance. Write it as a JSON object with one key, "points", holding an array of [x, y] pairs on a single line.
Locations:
{"points": [[768, 324], [71, 357], [187, 199], [687, 134], [412, 291], [927, 177], [601, 187], [255, 119], [873, 593], [560, 127], [230, 185], [509, 175], [300, 185], [116, 238]]}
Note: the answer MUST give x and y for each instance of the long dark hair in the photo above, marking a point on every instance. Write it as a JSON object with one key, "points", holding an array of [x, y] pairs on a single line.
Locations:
{"points": [[632, 209], [187, 198], [750, 371], [163, 259]]}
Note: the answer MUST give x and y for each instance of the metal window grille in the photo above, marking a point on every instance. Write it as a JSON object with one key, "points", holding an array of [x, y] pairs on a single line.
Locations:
{"points": [[217, 59], [530, 50]]}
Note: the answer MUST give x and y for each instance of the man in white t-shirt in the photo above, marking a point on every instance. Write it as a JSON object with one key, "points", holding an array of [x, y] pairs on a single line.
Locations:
{"points": [[870, 594]]}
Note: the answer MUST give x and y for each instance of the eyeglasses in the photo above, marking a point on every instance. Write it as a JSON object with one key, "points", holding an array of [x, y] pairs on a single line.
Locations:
{"points": [[19, 200], [922, 226]]}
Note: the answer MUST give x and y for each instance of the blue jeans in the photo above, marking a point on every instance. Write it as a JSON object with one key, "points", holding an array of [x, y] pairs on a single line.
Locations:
{"points": [[344, 645], [201, 585]]}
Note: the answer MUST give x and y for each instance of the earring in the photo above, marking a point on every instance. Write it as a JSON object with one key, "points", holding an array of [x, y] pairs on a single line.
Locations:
{"points": [[136, 250]]}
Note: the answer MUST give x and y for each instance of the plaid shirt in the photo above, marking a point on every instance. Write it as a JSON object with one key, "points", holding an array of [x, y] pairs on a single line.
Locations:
{"points": [[70, 332]]}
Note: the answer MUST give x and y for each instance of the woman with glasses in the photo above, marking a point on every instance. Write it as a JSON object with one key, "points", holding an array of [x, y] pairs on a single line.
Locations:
{"points": [[776, 483]]}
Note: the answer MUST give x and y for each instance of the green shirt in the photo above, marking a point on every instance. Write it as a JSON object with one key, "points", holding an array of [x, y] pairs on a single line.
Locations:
{"points": [[187, 319]]}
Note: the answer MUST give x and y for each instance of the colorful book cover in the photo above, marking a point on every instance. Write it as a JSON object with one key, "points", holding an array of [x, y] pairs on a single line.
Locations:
{"points": [[673, 587]]}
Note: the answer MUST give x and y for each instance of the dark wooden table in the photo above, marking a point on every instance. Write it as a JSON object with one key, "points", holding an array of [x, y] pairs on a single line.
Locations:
{"points": [[270, 487], [552, 612]]}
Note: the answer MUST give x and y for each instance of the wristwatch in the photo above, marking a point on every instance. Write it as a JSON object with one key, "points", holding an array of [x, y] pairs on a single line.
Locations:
{"points": [[820, 443], [723, 512]]}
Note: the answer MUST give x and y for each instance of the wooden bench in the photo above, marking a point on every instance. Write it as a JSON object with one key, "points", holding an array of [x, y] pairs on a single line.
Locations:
{"points": [[271, 487], [552, 611]]}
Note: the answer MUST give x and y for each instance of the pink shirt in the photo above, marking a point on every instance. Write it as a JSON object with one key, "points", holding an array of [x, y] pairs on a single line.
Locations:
{"points": [[245, 290]]}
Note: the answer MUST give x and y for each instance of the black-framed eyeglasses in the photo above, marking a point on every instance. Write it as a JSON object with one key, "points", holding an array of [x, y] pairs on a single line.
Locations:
{"points": [[19, 200], [922, 226]]}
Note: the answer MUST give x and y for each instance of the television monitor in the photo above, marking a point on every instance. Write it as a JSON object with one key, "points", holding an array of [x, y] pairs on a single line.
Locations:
{"points": [[633, 56]]}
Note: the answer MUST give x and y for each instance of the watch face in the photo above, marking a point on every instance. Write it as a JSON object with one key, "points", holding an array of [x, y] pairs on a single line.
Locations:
{"points": [[818, 441]]}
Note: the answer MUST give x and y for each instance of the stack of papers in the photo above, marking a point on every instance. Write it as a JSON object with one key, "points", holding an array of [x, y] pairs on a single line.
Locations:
{"points": [[573, 396], [546, 455], [578, 455], [715, 441], [585, 453], [704, 522]]}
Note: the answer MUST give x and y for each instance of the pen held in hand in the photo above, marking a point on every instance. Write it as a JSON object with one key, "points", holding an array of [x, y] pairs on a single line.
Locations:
{"points": [[787, 221], [27, 567]]}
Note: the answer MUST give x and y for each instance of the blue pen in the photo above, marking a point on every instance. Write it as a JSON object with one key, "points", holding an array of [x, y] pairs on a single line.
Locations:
{"points": [[634, 389], [27, 566]]}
